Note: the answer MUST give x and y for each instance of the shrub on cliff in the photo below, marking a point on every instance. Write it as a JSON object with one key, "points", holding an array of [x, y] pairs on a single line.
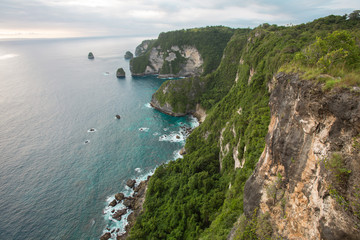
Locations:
{"points": [[336, 50]]}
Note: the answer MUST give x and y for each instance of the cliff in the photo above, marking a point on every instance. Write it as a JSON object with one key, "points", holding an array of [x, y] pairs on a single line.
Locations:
{"points": [[181, 53], [277, 156], [307, 178], [143, 47]]}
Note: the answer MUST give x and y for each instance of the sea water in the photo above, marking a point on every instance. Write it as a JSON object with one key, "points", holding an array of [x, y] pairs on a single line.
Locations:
{"points": [[63, 153]]}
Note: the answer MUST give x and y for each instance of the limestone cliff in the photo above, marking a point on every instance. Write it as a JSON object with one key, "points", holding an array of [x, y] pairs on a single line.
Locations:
{"points": [[307, 181], [143, 47], [181, 53], [183, 61]]}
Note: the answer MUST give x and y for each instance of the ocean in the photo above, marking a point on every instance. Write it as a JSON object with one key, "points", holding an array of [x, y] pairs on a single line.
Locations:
{"points": [[56, 176]]}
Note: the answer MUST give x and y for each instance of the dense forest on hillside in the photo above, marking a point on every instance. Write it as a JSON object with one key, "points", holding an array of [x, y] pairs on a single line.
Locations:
{"points": [[201, 195]]}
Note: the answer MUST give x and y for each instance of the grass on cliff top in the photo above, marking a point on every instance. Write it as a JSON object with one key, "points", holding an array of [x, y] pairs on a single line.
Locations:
{"points": [[333, 60]]}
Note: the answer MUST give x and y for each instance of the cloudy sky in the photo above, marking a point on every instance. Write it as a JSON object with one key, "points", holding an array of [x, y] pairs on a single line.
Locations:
{"points": [[78, 18]]}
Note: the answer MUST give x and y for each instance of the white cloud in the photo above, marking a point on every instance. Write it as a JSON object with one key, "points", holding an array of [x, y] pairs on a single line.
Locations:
{"points": [[116, 17], [342, 4]]}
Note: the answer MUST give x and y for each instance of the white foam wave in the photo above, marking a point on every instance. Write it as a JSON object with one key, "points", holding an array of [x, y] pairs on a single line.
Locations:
{"points": [[194, 123], [177, 154], [7, 56], [116, 226], [144, 129], [106, 73], [148, 105], [172, 137]]}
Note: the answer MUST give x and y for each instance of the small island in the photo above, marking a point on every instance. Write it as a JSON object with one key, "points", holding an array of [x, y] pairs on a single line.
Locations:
{"points": [[90, 55], [128, 55], [120, 73]]}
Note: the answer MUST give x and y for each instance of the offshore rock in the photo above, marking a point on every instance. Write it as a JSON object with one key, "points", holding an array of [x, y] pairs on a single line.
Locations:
{"points": [[119, 214], [291, 183], [119, 196], [130, 183], [120, 73], [106, 236], [137, 207], [90, 55], [113, 203], [129, 202]]}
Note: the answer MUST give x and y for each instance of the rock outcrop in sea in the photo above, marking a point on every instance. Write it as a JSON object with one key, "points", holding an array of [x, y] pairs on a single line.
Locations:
{"points": [[91, 55], [132, 203], [120, 73]]}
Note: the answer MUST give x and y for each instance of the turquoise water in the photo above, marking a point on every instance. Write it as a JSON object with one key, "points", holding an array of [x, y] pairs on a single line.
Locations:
{"points": [[53, 184]]}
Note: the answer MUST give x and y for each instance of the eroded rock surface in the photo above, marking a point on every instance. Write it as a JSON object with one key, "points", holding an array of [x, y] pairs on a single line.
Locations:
{"points": [[291, 182]]}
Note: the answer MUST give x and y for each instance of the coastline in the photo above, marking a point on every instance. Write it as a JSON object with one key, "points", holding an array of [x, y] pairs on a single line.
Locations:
{"points": [[131, 206]]}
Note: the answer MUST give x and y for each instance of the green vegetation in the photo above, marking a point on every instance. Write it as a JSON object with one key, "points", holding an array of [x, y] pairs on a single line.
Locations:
{"points": [[128, 55], [210, 42], [138, 64], [120, 73], [334, 60], [258, 227], [192, 198], [336, 165], [339, 175]]}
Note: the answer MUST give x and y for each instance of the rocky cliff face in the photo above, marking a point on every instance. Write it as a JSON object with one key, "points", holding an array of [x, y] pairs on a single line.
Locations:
{"points": [[307, 181], [183, 61], [143, 47]]}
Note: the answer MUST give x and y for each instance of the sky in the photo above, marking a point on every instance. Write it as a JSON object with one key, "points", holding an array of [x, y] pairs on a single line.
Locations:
{"points": [[86, 18]]}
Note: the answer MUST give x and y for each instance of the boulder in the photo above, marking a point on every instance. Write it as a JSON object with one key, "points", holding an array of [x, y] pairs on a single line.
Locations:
{"points": [[90, 55], [129, 202], [128, 55], [130, 183], [177, 137], [141, 187], [113, 203], [182, 151], [106, 236], [120, 73], [119, 214], [117, 116], [119, 196]]}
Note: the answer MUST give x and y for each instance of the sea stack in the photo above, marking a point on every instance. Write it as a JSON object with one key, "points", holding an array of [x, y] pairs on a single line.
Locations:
{"points": [[120, 73], [128, 55], [90, 55]]}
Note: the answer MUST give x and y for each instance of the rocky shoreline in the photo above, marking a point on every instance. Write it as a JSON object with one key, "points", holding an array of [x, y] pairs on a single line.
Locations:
{"points": [[134, 202]]}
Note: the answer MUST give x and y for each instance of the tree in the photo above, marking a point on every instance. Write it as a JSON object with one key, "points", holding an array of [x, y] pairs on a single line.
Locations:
{"points": [[355, 15]]}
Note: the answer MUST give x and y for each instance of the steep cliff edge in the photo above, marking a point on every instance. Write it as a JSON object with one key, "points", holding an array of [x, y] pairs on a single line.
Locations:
{"points": [[307, 180], [202, 195], [181, 53]]}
